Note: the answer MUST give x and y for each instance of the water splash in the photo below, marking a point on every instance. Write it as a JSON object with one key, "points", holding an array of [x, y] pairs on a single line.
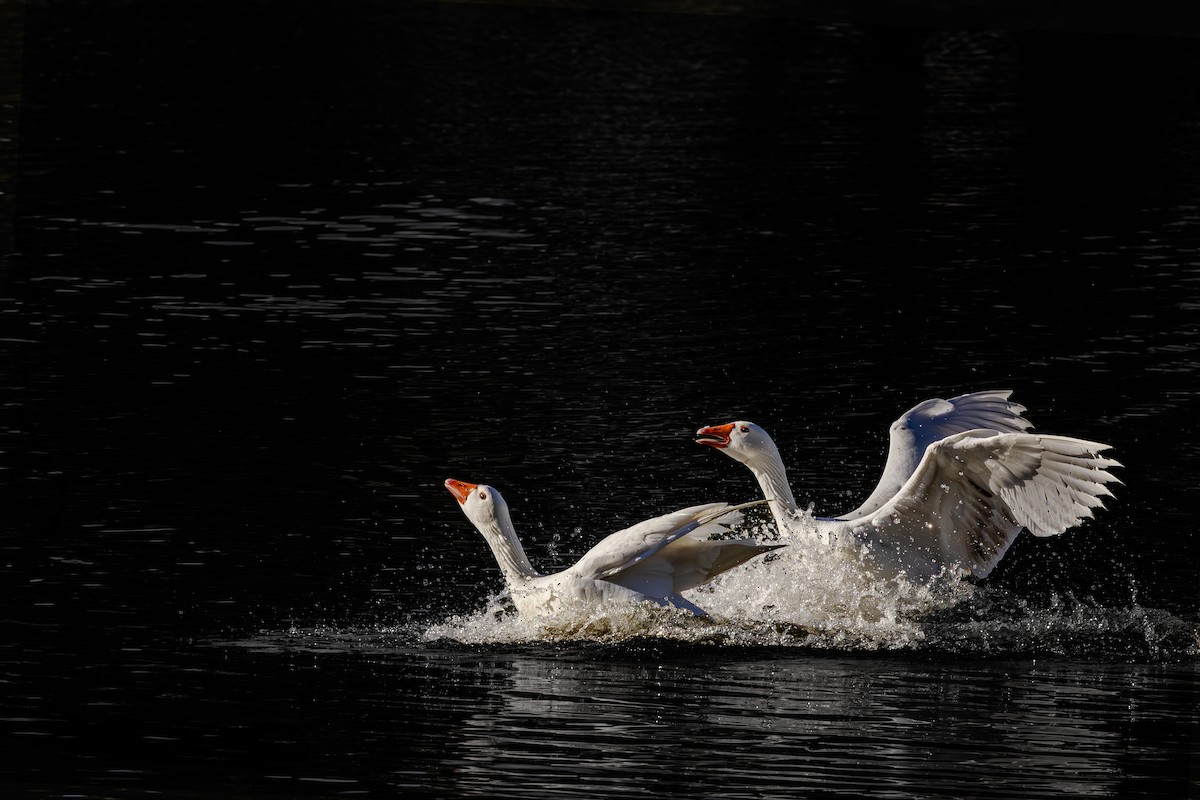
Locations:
{"points": [[499, 623], [1072, 630], [757, 604], [808, 595], [831, 592]]}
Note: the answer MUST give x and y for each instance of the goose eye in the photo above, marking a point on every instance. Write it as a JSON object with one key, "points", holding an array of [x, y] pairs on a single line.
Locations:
{"points": [[483, 495], [745, 429]]}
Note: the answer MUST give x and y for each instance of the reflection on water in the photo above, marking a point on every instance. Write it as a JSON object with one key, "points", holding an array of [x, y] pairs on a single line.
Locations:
{"points": [[650, 717], [790, 724]]}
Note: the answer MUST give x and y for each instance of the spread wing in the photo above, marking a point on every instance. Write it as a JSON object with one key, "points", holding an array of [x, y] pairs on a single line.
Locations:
{"points": [[973, 492], [932, 420], [629, 547]]}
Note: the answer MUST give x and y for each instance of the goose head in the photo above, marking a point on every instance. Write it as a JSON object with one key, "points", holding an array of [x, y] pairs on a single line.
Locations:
{"points": [[740, 440], [488, 512], [482, 504], [748, 443]]}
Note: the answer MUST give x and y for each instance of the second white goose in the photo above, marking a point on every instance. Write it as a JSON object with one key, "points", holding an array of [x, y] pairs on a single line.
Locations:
{"points": [[962, 480]]}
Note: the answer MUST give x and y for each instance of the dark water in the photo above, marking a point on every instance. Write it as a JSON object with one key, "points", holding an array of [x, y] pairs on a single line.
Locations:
{"points": [[276, 271]]}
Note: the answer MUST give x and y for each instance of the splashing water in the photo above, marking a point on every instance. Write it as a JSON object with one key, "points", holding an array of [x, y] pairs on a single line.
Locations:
{"points": [[828, 591], [499, 623], [811, 595], [804, 594], [994, 623]]}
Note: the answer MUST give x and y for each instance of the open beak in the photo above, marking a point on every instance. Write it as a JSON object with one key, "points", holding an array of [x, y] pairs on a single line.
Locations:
{"points": [[460, 489], [715, 435]]}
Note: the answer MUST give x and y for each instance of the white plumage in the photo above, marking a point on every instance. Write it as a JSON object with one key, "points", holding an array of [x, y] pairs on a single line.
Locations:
{"points": [[653, 561], [962, 479], [934, 419]]}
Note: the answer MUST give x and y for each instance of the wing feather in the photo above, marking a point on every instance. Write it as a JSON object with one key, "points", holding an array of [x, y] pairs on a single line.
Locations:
{"points": [[689, 562], [973, 493], [931, 421], [625, 548]]}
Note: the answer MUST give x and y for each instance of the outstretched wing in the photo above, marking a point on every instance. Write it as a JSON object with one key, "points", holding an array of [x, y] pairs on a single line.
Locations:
{"points": [[931, 421], [973, 492], [626, 548]]}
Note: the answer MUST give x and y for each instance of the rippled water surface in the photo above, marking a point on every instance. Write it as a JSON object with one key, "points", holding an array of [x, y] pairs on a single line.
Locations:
{"points": [[276, 273]]}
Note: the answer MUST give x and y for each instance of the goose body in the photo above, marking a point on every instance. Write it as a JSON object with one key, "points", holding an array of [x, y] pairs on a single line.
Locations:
{"points": [[963, 478], [653, 561]]}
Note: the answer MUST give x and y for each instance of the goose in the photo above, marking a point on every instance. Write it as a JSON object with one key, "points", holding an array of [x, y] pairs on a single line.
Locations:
{"points": [[963, 478], [652, 561]]}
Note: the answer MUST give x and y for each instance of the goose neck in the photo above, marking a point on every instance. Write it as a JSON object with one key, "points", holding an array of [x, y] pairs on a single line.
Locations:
{"points": [[772, 478], [510, 555]]}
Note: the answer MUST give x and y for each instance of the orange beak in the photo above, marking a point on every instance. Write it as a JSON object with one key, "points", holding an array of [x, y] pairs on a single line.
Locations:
{"points": [[460, 489], [715, 435]]}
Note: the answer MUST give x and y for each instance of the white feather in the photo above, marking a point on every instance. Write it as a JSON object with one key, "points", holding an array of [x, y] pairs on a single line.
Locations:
{"points": [[953, 497]]}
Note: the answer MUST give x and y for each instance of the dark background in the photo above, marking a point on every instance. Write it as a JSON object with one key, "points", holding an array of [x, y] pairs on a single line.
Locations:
{"points": [[275, 271], [833, 220]]}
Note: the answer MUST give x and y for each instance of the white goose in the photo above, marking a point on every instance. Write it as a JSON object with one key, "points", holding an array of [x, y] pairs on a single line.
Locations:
{"points": [[962, 479], [652, 561]]}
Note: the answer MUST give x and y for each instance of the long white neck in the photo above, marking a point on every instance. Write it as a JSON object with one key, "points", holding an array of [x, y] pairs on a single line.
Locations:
{"points": [[772, 478], [506, 547]]}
